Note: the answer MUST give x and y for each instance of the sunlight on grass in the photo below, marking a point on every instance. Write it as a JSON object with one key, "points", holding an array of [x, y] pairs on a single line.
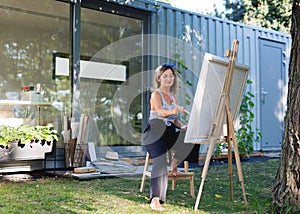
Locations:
{"points": [[121, 195]]}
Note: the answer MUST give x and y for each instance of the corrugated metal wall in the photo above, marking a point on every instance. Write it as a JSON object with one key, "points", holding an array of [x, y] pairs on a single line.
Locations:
{"points": [[213, 35]]}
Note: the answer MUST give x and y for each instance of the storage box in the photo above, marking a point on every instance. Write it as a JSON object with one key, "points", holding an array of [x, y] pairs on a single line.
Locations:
{"points": [[32, 96]]}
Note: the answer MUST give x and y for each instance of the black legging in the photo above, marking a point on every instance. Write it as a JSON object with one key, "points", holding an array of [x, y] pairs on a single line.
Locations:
{"points": [[159, 139]]}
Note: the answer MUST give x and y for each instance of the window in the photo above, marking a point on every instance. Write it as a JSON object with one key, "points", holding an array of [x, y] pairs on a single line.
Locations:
{"points": [[98, 96], [32, 31]]}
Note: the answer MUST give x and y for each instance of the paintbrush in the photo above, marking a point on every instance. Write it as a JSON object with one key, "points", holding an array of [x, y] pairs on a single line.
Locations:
{"points": [[183, 110]]}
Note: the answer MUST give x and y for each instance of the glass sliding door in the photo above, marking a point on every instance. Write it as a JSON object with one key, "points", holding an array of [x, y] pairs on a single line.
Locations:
{"points": [[116, 118], [32, 32]]}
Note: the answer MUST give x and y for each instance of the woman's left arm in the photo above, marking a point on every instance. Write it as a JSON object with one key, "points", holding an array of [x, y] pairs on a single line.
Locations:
{"points": [[179, 125]]}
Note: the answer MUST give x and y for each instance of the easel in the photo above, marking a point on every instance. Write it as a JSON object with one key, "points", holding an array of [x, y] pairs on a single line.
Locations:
{"points": [[224, 109]]}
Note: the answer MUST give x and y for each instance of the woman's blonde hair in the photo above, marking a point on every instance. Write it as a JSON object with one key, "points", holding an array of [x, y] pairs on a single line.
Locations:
{"points": [[159, 72]]}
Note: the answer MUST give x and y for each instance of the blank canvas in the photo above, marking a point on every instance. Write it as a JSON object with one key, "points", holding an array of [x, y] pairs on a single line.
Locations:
{"points": [[208, 94]]}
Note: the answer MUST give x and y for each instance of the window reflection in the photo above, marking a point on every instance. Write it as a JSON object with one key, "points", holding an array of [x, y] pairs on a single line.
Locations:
{"points": [[98, 30], [31, 32]]}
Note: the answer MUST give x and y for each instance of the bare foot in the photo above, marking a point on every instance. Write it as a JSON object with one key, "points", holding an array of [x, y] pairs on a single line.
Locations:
{"points": [[175, 173], [155, 204]]}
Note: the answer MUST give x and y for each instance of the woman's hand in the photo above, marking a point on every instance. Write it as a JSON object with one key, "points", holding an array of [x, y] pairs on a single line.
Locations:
{"points": [[184, 127], [178, 109]]}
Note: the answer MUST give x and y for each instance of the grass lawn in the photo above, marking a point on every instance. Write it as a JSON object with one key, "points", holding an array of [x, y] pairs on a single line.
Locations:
{"points": [[121, 195]]}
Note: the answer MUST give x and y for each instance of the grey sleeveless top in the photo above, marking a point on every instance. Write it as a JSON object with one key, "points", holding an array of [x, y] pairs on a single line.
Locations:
{"points": [[165, 105]]}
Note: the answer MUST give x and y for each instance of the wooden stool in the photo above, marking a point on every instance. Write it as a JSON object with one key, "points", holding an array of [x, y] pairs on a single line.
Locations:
{"points": [[186, 175]]}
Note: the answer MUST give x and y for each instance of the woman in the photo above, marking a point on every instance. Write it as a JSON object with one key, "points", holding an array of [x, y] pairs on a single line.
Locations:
{"points": [[161, 134]]}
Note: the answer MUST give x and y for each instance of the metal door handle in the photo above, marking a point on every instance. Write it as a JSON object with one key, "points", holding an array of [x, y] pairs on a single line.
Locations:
{"points": [[263, 95]]}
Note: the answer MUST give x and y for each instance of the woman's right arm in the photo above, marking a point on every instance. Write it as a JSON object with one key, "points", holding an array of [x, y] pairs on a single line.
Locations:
{"points": [[156, 105]]}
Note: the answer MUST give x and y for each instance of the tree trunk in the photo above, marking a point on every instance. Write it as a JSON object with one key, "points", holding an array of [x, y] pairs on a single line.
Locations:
{"points": [[286, 189]]}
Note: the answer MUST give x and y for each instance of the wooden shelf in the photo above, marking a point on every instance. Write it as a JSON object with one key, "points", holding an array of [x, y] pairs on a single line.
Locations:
{"points": [[23, 103]]}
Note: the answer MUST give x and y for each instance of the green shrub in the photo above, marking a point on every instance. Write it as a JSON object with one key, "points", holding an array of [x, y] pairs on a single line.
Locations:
{"points": [[26, 134]]}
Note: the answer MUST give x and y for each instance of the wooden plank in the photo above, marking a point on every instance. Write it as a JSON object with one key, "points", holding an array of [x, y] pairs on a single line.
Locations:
{"points": [[86, 176], [80, 170], [92, 152], [81, 147], [80, 129]]}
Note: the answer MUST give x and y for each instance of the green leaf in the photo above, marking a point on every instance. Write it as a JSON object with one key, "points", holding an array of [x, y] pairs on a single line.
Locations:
{"points": [[188, 83], [26, 134]]}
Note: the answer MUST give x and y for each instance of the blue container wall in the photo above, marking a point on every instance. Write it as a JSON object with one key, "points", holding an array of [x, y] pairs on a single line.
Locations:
{"points": [[214, 35]]}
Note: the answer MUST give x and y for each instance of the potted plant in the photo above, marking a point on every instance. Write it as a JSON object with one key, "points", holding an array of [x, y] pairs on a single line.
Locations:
{"points": [[26, 142]]}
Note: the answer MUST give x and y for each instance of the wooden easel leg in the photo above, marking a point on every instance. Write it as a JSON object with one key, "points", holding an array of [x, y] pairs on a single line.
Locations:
{"points": [[145, 171], [204, 172], [236, 151], [230, 167], [229, 144], [239, 169]]}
